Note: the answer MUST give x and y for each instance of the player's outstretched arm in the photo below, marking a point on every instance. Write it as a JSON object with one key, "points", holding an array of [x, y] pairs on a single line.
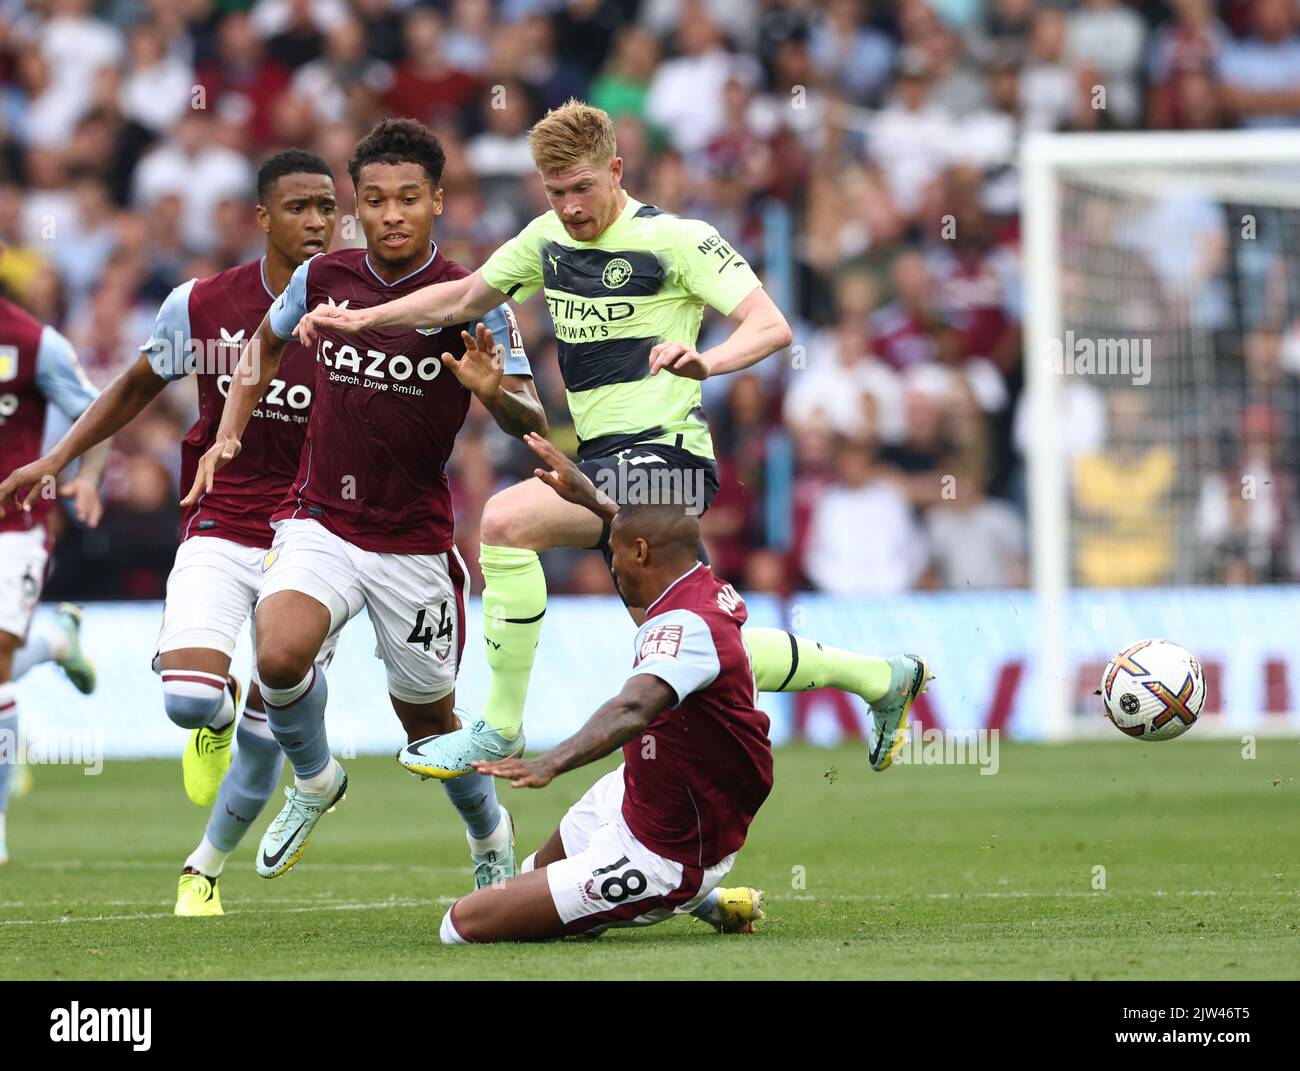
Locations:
{"points": [[761, 330], [119, 403], [512, 400], [439, 305], [257, 366], [643, 698], [568, 481]]}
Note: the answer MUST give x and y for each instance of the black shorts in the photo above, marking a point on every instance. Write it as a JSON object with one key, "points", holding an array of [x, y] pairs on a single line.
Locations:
{"points": [[650, 473]]}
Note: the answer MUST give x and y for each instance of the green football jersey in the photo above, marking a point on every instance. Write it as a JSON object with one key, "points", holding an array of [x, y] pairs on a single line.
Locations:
{"points": [[644, 280]]}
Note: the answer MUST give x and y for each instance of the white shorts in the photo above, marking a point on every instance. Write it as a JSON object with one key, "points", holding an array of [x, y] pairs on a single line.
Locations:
{"points": [[416, 602], [22, 575], [211, 593], [609, 878]]}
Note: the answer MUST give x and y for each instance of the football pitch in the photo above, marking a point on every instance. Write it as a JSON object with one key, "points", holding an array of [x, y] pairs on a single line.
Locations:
{"points": [[919, 872]]}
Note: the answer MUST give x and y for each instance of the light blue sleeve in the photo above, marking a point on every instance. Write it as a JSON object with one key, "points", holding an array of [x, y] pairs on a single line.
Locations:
{"points": [[60, 377], [291, 306], [505, 329], [169, 344], [677, 647]]}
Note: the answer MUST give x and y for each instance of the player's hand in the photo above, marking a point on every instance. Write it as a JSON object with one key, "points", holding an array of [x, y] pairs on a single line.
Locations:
{"points": [[482, 365], [334, 317], [37, 476], [87, 506], [679, 360], [521, 773], [223, 451], [564, 477]]}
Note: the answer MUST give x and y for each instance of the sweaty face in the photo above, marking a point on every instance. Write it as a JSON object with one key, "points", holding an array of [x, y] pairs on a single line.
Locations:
{"points": [[397, 204], [300, 211], [585, 197]]}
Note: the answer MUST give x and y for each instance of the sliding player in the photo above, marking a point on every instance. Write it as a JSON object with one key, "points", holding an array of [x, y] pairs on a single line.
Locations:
{"points": [[224, 536], [655, 837], [37, 366], [626, 285], [368, 520]]}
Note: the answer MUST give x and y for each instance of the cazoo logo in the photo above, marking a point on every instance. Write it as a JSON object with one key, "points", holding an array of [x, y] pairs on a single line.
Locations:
{"points": [[278, 393], [375, 364]]}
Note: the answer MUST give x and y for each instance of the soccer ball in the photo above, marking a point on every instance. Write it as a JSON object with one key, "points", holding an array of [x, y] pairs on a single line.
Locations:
{"points": [[1153, 690]]}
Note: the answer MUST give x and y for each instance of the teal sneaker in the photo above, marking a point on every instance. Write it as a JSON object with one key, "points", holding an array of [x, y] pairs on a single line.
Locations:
{"points": [[909, 677], [79, 669], [449, 755], [494, 856], [285, 838]]}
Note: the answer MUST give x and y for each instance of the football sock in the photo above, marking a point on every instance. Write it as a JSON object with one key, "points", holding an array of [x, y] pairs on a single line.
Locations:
{"points": [[708, 907], [475, 796], [8, 742], [193, 698], [784, 662], [447, 931], [296, 717], [252, 779], [207, 859], [44, 644], [225, 715], [514, 602]]}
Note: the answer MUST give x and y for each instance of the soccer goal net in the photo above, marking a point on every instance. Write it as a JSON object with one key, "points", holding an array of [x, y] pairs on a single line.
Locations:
{"points": [[1161, 418]]}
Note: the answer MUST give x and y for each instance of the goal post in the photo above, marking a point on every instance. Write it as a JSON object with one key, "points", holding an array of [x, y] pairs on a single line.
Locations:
{"points": [[1114, 231]]}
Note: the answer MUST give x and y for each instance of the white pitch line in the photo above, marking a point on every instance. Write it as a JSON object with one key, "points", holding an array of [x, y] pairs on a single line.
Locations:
{"points": [[359, 868], [855, 897], [305, 909]]}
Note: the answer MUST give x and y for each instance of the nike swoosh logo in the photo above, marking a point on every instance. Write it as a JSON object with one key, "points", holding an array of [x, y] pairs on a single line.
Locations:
{"points": [[875, 751], [272, 860], [414, 749]]}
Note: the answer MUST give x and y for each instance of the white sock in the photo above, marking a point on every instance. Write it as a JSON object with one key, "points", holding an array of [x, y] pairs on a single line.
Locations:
{"points": [[708, 907], [448, 932], [496, 841], [320, 784], [207, 859], [225, 716], [256, 724], [528, 864]]}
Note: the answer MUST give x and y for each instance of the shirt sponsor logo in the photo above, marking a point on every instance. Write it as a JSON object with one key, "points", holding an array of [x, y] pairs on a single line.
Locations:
{"points": [[375, 365], [662, 640], [277, 393]]}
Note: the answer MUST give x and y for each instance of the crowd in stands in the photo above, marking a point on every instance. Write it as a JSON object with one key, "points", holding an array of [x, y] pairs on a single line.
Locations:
{"points": [[862, 154]]}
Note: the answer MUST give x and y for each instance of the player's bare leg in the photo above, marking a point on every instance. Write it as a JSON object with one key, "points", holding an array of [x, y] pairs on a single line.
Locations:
{"points": [[520, 910], [9, 643], [489, 829], [291, 627]]}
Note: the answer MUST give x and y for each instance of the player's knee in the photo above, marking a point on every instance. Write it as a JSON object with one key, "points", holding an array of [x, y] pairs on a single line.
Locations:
{"points": [[504, 523], [192, 707], [279, 666], [449, 931]]}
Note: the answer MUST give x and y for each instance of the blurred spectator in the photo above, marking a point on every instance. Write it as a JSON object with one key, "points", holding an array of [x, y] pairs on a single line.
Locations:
{"points": [[1107, 37], [1261, 75], [862, 538], [854, 55]]}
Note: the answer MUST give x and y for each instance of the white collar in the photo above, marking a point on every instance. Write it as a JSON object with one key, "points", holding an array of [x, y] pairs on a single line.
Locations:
{"points": [[408, 275], [697, 565]]}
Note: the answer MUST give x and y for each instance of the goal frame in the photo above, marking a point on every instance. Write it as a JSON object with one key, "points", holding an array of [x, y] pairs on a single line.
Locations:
{"points": [[1044, 157]]}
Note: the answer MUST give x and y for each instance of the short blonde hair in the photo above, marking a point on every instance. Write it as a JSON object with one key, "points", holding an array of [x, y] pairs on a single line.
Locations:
{"points": [[572, 134]]}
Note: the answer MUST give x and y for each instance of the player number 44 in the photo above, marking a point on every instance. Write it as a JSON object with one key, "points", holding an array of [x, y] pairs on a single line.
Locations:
{"points": [[422, 633]]}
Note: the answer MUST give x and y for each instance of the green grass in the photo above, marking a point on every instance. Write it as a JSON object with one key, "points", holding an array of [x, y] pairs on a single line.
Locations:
{"points": [[921, 872]]}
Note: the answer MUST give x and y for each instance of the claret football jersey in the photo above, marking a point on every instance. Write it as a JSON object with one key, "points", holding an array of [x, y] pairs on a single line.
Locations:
{"points": [[697, 776], [385, 412], [201, 329]]}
